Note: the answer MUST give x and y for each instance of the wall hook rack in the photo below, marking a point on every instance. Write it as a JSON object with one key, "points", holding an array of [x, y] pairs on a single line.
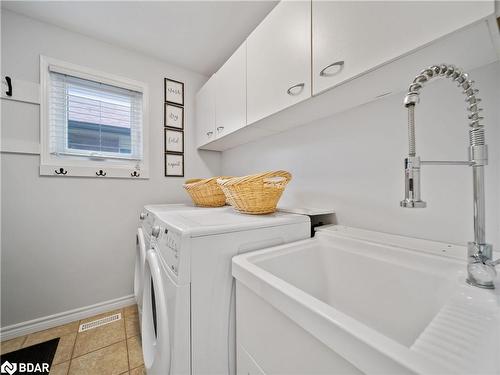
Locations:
{"points": [[9, 86], [100, 173], [61, 171], [135, 174]]}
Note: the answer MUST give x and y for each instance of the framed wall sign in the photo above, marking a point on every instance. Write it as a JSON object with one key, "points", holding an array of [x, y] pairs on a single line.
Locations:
{"points": [[174, 165], [174, 91], [173, 121], [173, 116], [174, 141]]}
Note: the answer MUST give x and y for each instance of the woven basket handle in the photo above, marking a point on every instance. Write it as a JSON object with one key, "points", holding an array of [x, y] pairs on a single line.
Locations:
{"points": [[266, 177], [277, 179]]}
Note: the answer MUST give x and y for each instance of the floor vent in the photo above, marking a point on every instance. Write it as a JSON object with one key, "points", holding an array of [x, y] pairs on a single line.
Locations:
{"points": [[99, 322]]}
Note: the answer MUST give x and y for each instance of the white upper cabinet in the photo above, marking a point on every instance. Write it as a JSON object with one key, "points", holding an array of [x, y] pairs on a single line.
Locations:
{"points": [[231, 94], [205, 113], [279, 60], [304, 48], [352, 37]]}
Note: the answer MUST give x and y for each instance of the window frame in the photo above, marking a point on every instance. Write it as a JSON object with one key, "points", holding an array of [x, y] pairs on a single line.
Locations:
{"points": [[88, 165]]}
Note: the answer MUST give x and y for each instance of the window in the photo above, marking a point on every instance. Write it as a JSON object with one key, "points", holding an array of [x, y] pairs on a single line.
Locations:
{"points": [[91, 121]]}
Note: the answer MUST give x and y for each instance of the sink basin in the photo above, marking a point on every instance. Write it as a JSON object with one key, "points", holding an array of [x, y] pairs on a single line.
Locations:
{"points": [[400, 304]]}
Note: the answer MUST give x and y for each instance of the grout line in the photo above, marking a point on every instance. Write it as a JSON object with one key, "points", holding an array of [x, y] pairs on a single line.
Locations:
{"points": [[95, 350], [24, 341], [59, 343], [126, 347], [128, 359], [73, 350], [125, 322], [135, 368]]}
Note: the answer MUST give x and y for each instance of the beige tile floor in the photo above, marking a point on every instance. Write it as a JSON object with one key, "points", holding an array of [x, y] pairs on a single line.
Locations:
{"points": [[114, 348]]}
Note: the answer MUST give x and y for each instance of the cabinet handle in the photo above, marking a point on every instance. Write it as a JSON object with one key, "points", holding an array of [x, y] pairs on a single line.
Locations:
{"points": [[324, 72], [209, 134], [296, 89], [220, 128]]}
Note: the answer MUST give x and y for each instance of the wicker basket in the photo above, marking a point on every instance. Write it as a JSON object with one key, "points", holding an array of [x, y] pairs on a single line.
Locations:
{"points": [[206, 192], [256, 194]]}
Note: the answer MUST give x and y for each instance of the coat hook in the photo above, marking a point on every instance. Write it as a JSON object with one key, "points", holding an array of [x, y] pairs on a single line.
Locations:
{"points": [[100, 173], [135, 174], [9, 85], [60, 171]]}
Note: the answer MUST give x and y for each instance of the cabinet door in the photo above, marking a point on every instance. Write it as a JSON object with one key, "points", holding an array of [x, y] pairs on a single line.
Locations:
{"points": [[205, 113], [231, 97], [279, 60], [352, 37]]}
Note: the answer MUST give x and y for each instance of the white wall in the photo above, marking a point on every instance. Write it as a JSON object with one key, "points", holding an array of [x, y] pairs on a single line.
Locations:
{"points": [[353, 162], [70, 242]]}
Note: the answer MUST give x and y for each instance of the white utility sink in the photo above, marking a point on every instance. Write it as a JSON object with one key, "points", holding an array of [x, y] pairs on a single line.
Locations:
{"points": [[380, 303]]}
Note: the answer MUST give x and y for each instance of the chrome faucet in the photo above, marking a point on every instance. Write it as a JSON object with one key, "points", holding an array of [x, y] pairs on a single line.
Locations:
{"points": [[480, 268]]}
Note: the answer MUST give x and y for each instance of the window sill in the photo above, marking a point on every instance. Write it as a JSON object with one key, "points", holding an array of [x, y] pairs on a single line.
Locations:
{"points": [[98, 171]]}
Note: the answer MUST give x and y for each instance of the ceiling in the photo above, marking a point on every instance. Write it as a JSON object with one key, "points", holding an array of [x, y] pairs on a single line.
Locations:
{"points": [[197, 35]]}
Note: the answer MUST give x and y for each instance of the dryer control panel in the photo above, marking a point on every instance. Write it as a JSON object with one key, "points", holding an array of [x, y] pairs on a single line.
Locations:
{"points": [[147, 223]]}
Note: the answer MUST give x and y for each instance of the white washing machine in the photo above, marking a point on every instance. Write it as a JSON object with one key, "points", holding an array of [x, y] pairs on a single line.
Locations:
{"points": [[147, 220], [188, 301]]}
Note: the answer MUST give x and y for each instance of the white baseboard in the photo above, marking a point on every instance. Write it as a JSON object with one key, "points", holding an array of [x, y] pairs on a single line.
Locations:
{"points": [[39, 324]]}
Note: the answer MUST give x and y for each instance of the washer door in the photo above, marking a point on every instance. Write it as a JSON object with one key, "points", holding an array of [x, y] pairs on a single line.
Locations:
{"points": [[140, 259], [156, 346]]}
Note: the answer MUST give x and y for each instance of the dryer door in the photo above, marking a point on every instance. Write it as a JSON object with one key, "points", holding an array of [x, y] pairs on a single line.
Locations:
{"points": [[156, 346], [140, 259]]}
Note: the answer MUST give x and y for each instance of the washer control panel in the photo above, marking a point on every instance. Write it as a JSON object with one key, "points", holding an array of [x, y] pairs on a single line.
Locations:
{"points": [[169, 244]]}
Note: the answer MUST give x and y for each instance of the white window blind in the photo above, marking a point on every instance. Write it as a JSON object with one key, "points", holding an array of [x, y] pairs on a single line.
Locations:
{"points": [[94, 119]]}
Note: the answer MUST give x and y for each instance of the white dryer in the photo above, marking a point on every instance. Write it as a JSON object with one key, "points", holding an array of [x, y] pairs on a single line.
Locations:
{"points": [[188, 301], [147, 220]]}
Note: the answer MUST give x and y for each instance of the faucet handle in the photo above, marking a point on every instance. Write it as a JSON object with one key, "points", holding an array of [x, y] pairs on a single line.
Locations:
{"points": [[412, 184]]}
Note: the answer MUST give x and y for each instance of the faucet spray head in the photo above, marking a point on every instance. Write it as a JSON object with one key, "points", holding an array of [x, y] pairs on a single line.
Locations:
{"points": [[412, 184]]}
